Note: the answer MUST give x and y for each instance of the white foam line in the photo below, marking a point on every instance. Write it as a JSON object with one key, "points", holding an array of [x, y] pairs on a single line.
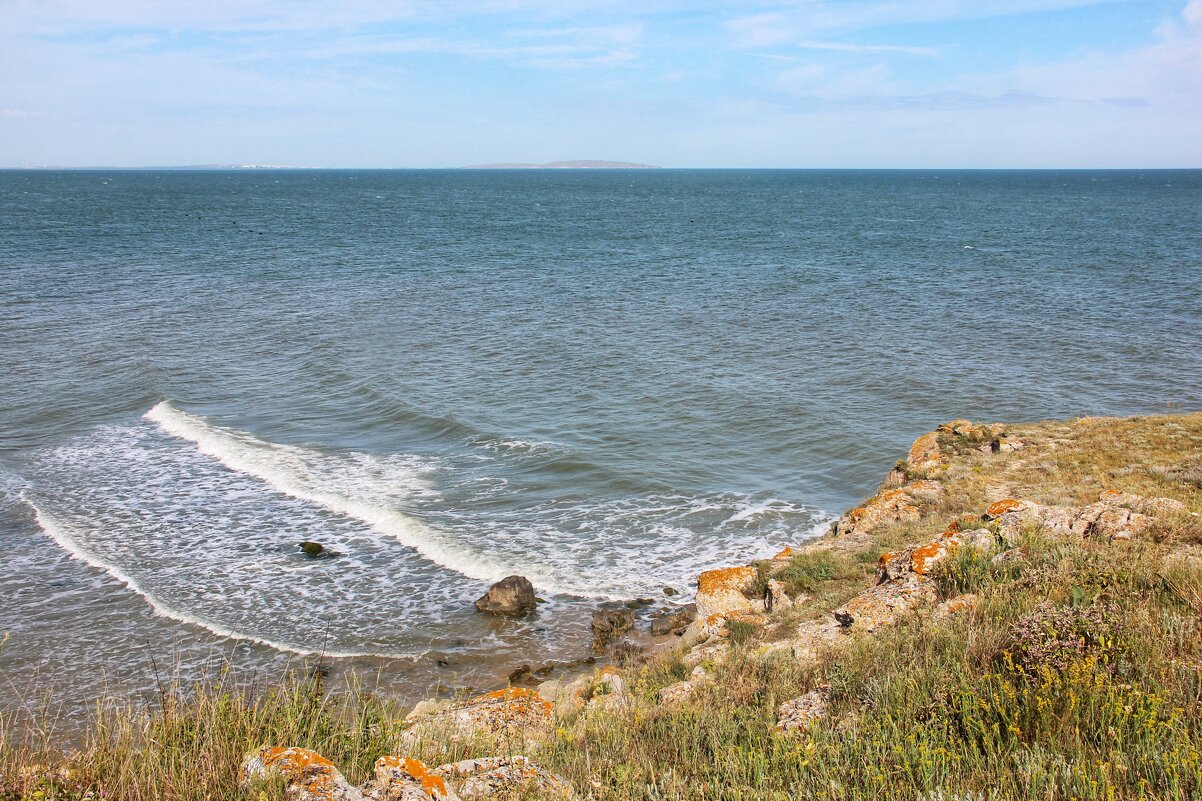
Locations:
{"points": [[243, 453], [57, 532]]}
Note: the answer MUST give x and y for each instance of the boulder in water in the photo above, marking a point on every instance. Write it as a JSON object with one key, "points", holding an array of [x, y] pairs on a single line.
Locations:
{"points": [[312, 549], [512, 595]]}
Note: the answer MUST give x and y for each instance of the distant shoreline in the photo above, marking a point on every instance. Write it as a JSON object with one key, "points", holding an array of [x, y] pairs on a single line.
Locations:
{"points": [[565, 165]]}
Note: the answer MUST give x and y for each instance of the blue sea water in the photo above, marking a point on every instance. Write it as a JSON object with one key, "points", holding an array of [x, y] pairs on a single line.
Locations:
{"points": [[603, 380]]}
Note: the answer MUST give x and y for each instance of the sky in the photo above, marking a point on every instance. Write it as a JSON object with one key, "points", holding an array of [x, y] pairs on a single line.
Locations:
{"points": [[714, 83]]}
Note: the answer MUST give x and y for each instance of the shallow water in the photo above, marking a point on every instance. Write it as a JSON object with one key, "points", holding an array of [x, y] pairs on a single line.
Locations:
{"points": [[605, 381]]}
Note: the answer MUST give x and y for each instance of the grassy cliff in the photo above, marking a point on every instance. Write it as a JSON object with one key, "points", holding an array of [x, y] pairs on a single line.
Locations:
{"points": [[1019, 616]]}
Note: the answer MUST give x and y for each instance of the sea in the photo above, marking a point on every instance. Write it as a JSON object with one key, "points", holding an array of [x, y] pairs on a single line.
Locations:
{"points": [[603, 380]]}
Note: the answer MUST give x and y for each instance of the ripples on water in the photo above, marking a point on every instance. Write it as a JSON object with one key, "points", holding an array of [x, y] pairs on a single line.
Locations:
{"points": [[604, 381]]}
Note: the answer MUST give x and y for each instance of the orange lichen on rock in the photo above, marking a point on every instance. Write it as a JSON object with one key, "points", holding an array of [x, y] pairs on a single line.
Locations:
{"points": [[433, 786], [787, 553], [310, 776], [952, 530], [506, 777], [1002, 507], [724, 591], [924, 557], [521, 696], [924, 454], [887, 506], [727, 578]]}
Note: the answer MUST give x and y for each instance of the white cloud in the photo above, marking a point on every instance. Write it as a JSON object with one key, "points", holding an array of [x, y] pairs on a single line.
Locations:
{"points": [[803, 19], [1193, 14], [827, 81], [847, 47]]}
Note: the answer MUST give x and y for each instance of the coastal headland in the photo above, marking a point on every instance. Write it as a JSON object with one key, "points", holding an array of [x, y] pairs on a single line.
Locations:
{"points": [[1015, 613]]}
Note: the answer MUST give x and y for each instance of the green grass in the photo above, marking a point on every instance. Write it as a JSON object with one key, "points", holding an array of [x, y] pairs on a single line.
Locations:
{"points": [[191, 744]]}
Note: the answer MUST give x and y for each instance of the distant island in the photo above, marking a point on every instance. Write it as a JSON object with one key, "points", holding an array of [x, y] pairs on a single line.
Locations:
{"points": [[567, 165]]}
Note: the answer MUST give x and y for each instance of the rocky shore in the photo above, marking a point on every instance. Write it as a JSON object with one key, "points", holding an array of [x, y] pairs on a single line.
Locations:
{"points": [[1015, 613], [976, 495]]}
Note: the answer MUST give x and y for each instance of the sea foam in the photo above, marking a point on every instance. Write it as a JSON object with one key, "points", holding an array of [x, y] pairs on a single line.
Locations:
{"points": [[363, 487]]}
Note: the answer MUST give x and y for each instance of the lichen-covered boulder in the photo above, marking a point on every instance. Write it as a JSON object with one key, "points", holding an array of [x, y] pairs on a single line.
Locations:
{"points": [[887, 507], [924, 455], [511, 716], [505, 777], [512, 595], [310, 776], [1140, 503], [1114, 516], [404, 779], [966, 429], [720, 592], [884, 604]]}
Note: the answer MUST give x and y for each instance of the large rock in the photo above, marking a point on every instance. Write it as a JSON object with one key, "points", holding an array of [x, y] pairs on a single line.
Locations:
{"points": [[511, 717], [925, 455], [404, 779], [513, 595], [309, 776], [505, 777], [961, 604], [776, 599], [720, 592], [966, 429], [887, 507]]}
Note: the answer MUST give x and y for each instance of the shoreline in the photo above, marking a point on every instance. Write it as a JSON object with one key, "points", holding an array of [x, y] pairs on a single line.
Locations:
{"points": [[980, 533]]}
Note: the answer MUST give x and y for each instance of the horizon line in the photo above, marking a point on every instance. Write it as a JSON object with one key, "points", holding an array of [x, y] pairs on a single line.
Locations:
{"points": [[302, 168]]}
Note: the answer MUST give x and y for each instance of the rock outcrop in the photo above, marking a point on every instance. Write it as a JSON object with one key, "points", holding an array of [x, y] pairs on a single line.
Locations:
{"points": [[311, 777], [720, 592], [887, 507], [1114, 516], [505, 777], [406, 779], [509, 717], [308, 775]]}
